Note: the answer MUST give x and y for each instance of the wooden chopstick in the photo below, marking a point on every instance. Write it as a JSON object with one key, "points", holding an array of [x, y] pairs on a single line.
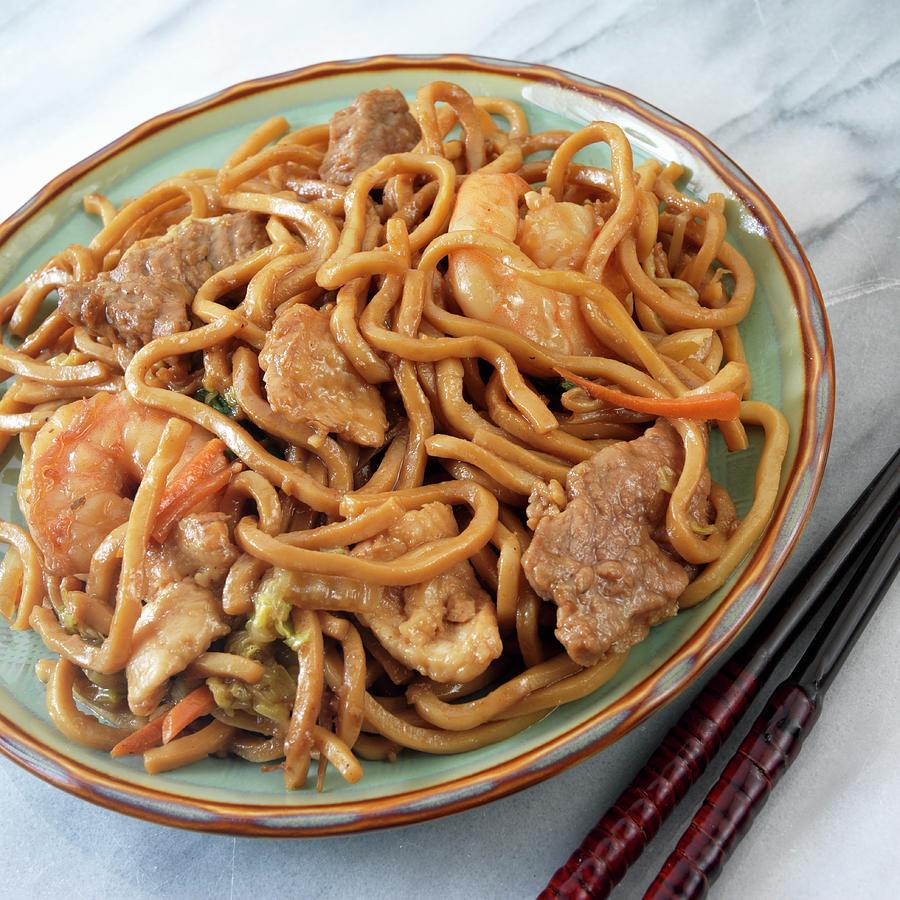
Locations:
{"points": [[625, 830], [777, 736]]}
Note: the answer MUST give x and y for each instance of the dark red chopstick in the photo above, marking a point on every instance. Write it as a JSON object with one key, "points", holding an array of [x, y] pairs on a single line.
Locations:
{"points": [[636, 816], [777, 736]]}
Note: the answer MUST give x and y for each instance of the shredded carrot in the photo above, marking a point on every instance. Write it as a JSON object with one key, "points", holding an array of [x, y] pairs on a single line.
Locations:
{"points": [[147, 736], [721, 405], [188, 709], [205, 475], [211, 485]]}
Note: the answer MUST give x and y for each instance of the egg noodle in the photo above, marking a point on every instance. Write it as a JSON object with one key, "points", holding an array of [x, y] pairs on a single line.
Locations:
{"points": [[361, 588]]}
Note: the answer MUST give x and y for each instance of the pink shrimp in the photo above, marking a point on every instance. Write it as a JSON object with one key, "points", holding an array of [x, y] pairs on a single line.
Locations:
{"points": [[76, 483], [553, 234]]}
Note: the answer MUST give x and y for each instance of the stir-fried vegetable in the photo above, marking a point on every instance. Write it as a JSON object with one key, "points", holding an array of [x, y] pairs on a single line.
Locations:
{"points": [[197, 703], [150, 735], [722, 405], [206, 474], [223, 403], [271, 617], [270, 698]]}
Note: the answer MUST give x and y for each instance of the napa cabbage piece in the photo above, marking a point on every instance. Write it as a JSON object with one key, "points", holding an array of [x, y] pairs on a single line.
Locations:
{"points": [[270, 698], [225, 403], [271, 618], [273, 696]]}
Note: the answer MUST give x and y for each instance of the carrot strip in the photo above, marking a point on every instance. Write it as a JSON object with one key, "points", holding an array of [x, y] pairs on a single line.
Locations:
{"points": [[147, 736], [214, 737], [203, 476], [212, 485], [195, 704], [720, 405]]}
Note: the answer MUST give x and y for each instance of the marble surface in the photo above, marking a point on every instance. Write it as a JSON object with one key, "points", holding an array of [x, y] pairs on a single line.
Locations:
{"points": [[806, 97]]}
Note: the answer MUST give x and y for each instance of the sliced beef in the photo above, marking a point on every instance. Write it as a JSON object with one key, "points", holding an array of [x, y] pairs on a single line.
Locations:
{"points": [[446, 627], [378, 123], [132, 312], [194, 250], [148, 294], [310, 380], [597, 558]]}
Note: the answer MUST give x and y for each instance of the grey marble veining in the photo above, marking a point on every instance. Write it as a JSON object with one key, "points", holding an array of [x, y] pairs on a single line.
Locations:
{"points": [[806, 97]]}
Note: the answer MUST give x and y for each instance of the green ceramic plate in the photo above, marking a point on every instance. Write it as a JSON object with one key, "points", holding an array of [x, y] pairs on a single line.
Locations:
{"points": [[787, 341]]}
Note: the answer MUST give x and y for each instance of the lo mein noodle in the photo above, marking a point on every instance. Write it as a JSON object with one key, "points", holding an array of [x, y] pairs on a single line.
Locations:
{"points": [[389, 434]]}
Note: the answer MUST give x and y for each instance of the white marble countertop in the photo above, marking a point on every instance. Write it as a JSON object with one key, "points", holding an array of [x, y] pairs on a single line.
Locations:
{"points": [[806, 97]]}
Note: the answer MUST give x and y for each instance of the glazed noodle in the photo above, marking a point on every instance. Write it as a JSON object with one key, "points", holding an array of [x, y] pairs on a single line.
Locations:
{"points": [[388, 434]]}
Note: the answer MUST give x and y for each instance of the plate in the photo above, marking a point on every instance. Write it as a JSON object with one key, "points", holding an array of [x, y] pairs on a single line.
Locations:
{"points": [[789, 349]]}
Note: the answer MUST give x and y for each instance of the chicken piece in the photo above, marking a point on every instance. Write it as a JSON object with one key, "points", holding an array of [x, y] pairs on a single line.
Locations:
{"points": [[376, 124], [200, 548], [204, 545], [174, 628], [597, 559], [147, 295], [310, 380], [445, 628]]}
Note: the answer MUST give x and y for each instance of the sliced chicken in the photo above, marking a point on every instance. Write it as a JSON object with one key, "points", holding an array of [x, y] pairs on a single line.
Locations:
{"points": [[174, 628], [310, 380], [445, 628], [200, 548]]}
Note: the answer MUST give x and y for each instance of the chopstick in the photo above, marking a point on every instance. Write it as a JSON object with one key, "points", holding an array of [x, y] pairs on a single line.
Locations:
{"points": [[777, 736], [627, 827]]}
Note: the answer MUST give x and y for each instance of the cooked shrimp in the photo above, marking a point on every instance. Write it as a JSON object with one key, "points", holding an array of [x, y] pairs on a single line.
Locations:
{"points": [[85, 462], [554, 235]]}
